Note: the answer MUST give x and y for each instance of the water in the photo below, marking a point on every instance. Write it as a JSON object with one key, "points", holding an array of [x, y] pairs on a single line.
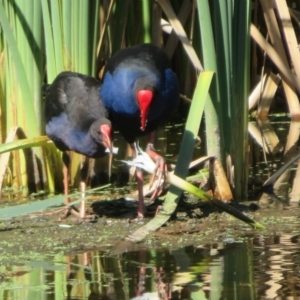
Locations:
{"points": [[257, 267]]}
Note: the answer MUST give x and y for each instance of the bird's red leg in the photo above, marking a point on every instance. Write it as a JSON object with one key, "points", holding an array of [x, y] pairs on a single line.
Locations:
{"points": [[84, 174], [66, 163], [141, 204], [66, 183], [86, 168], [140, 182]]}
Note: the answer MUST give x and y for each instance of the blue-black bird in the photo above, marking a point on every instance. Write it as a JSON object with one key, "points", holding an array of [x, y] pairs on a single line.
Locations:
{"points": [[140, 91], [76, 120]]}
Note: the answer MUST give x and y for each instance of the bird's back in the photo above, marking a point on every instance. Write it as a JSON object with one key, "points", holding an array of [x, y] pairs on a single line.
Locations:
{"points": [[147, 55], [77, 96], [72, 105]]}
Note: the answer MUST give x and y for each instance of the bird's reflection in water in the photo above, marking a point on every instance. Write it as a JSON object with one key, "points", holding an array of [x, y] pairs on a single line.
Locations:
{"points": [[134, 275]]}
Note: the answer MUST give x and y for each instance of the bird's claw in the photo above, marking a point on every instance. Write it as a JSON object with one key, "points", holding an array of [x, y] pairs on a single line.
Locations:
{"points": [[159, 176], [154, 164]]}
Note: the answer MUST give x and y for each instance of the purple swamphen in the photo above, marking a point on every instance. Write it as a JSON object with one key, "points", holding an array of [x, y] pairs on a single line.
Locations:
{"points": [[140, 91], [77, 120]]}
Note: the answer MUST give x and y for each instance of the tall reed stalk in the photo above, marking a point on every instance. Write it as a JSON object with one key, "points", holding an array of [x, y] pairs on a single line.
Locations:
{"points": [[225, 41], [39, 39]]}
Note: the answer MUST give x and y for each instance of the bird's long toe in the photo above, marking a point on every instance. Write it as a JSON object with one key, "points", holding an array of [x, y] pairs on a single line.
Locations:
{"points": [[160, 175]]}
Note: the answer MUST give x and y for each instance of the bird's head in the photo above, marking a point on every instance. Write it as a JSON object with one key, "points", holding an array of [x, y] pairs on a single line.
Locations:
{"points": [[102, 132], [105, 130]]}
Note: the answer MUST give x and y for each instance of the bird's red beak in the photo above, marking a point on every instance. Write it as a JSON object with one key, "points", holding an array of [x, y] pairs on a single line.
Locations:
{"points": [[106, 132], [144, 98]]}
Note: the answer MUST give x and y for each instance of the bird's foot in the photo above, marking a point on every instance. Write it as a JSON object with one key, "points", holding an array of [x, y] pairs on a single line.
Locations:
{"points": [[160, 174], [140, 212], [66, 213], [72, 210], [138, 219], [140, 216], [158, 209], [49, 213]]}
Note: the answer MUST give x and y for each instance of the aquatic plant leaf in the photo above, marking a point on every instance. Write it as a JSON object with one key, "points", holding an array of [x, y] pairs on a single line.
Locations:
{"points": [[263, 94], [271, 181], [188, 187], [24, 143], [23, 209], [173, 39], [20, 71], [221, 187], [289, 79], [179, 30]]}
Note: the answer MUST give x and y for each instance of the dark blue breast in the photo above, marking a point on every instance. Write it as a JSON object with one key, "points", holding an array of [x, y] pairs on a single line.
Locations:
{"points": [[67, 137]]}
